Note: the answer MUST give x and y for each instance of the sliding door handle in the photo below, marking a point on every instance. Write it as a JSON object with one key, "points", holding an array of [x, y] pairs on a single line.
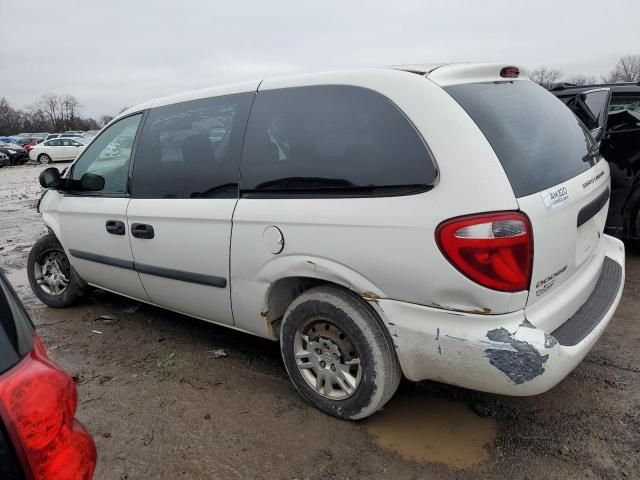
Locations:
{"points": [[115, 227], [142, 230]]}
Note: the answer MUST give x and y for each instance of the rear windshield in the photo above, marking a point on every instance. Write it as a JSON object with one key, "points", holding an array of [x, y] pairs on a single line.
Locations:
{"points": [[538, 140]]}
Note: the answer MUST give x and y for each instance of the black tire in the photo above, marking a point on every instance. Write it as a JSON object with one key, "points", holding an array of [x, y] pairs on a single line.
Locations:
{"points": [[46, 247], [44, 159], [357, 322]]}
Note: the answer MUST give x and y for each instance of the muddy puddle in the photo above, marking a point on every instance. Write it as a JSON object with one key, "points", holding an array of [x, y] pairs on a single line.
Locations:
{"points": [[422, 427]]}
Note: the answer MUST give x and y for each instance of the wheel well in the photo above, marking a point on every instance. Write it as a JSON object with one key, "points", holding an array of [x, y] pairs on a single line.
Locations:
{"points": [[285, 291]]}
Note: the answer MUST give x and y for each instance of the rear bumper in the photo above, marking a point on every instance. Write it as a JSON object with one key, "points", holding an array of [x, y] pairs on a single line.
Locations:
{"points": [[502, 354]]}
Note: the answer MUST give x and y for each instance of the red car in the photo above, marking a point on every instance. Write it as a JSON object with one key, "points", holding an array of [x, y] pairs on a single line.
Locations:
{"points": [[29, 143], [40, 439]]}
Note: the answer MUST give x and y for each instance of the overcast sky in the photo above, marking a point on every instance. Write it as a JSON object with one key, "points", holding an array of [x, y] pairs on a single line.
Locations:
{"points": [[115, 53]]}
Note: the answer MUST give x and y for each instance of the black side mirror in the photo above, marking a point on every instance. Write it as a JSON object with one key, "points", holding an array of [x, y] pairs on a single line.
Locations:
{"points": [[50, 178], [92, 182]]}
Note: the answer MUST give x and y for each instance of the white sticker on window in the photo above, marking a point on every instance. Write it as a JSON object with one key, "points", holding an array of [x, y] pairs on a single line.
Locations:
{"points": [[554, 197]]}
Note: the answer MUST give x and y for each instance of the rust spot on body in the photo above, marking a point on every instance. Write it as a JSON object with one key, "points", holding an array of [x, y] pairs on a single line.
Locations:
{"points": [[264, 314], [370, 296]]}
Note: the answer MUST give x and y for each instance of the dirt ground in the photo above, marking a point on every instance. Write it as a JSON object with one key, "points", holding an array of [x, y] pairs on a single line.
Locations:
{"points": [[161, 403]]}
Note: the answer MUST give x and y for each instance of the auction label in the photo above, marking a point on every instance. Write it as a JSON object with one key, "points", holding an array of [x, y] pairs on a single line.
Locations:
{"points": [[554, 197]]}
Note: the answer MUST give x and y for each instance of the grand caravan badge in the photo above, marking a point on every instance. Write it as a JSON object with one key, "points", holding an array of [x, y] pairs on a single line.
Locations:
{"points": [[554, 197]]}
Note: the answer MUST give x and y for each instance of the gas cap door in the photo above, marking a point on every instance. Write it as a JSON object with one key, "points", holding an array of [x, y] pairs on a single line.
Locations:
{"points": [[273, 239]]}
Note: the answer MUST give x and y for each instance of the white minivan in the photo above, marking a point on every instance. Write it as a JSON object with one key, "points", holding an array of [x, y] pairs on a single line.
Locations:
{"points": [[438, 222]]}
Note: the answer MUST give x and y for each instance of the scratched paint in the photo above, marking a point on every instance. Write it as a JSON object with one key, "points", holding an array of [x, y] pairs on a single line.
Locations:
{"points": [[421, 427]]}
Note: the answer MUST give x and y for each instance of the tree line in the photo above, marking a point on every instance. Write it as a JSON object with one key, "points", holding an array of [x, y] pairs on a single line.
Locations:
{"points": [[49, 113], [626, 70]]}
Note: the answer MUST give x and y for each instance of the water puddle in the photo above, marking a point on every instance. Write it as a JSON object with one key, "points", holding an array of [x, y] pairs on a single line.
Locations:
{"points": [[421, 427]]}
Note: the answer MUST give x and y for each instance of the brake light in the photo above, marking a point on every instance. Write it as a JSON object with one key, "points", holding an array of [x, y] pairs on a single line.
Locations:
{"points": [[38, 404], [493, 249], [510, 72]]}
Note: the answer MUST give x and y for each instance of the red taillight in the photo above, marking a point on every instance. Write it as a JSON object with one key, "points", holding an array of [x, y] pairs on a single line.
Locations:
{"points": [[38, 404], [510, 72], [493, 249]]}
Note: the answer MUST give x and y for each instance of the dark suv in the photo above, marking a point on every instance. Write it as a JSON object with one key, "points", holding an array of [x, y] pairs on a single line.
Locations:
{"points": [[612, 113], [40, 438]]}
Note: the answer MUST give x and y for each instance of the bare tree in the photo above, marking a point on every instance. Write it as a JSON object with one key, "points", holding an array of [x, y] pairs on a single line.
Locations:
{"points": [[48, 107], [104, 119], [545, 77], [10, 119], [70, 108], [626, 70], [580, 79]]}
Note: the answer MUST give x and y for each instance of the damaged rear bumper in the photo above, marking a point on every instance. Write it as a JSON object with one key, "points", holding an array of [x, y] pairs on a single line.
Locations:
{"points": [[502, 354]]}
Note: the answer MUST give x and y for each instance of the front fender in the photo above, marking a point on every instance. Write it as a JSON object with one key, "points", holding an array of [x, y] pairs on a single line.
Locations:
{"points": [[49, 210]]}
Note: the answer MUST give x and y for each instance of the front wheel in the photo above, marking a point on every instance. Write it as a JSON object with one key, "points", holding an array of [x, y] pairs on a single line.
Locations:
{"points": [[44, 159], [50, 274], [338, 354]]}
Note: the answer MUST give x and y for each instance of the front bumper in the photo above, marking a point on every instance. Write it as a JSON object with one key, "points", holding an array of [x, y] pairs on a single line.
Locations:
{"points": [[502, 354], [19, 157]]}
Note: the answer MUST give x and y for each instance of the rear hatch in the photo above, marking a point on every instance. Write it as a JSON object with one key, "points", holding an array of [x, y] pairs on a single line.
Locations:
{"points": [[560, 181]]}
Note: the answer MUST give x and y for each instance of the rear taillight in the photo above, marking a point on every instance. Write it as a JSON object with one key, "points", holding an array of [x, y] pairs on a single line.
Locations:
{"points": [[492, 249], [38, 404]]}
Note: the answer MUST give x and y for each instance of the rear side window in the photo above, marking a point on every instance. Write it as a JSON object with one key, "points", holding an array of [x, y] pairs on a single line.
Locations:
{"points": [[16, 330], [333, 140], [538, 140], [192, 149]]}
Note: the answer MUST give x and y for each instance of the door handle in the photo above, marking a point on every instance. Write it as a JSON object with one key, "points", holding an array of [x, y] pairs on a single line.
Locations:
{"points": [[115, 227], [142, 230]]}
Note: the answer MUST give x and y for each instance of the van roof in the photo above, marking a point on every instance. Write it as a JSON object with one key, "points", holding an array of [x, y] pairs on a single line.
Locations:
{"points": [[441, 73]]}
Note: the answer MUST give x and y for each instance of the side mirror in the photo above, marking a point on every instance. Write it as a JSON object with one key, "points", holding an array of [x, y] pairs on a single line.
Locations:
{"points": [[50, 178], [92, 182]]}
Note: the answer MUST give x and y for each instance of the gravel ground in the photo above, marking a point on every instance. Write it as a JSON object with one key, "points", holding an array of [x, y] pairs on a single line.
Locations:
{"points": [[161, 402]]}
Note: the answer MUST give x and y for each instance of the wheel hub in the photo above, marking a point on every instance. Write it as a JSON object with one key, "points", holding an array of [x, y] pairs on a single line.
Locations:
{"points": [[53, 273], [327, 360]]}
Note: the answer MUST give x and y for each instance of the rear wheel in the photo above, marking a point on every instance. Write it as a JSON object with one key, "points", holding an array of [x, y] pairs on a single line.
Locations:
{"points": [[44, 159], [50, 274], [338, 354]]}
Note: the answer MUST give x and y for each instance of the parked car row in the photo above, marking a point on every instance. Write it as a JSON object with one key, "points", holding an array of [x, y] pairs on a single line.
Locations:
{"points": [[444, 222], [49, 147]]}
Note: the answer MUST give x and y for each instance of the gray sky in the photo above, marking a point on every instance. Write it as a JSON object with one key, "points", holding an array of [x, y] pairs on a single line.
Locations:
{"points": [[115, 53]]}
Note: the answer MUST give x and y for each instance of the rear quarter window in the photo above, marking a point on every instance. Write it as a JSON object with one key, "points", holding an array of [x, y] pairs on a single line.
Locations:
{"points": [[16, 330], [332, 140], [538, 140]]}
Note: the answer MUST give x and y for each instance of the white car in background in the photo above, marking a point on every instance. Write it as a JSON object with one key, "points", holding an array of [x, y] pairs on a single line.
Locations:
{"points": [[58, 150]]}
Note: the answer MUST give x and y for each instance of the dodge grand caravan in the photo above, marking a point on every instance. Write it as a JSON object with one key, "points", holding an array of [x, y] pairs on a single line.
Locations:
{"points": [[441, 222]]}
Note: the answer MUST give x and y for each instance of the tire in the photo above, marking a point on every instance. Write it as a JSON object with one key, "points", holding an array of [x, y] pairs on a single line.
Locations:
{"points": [[53, 292], [332, 328], [44, 159]]}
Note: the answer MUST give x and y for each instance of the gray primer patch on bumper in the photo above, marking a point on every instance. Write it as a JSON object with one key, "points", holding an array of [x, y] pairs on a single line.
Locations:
{"points": [[523, 365]]}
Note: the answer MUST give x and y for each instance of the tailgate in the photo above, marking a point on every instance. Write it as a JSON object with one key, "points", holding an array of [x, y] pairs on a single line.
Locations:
{"points": [[559, 181], [568, 222]]}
